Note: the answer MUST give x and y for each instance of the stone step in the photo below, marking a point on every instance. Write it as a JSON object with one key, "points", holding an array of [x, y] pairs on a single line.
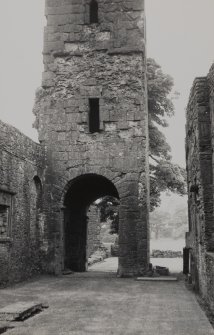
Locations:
{"points": [[4, 327], [161, 278], [20, 311]]}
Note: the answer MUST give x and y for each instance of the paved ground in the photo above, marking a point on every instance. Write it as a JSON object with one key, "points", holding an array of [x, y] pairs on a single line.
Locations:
{"points": [[100, 303], [175, 265]]}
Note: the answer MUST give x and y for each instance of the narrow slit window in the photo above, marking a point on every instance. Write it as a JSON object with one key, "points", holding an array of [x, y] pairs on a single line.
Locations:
{"points": [[94, 115], [93, 11]]}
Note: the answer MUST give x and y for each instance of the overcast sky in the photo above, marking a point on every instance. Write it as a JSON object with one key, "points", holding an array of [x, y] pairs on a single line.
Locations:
{"points": [[180, 36]]}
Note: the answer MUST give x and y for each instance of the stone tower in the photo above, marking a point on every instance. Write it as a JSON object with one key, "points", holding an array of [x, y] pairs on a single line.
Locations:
{"points": [[91, 115]]}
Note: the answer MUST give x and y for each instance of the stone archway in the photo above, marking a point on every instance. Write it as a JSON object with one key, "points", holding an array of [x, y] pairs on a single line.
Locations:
{"points": [[82, 192]]}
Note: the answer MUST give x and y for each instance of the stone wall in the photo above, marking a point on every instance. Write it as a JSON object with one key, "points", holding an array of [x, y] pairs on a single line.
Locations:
{"points": [[210, 279], [94, 230], [47, 188], [104, 61], [21, 218], [199, 155]]}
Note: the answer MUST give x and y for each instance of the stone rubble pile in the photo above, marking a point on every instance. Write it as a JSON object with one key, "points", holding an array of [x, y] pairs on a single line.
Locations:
{"points": [[98, 256]]}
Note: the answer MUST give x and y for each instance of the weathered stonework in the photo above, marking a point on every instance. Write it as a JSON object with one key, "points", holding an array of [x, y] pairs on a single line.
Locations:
{"points": [[93, 230], [199, 154], [91, 116], [21, 219], [103, 61]]}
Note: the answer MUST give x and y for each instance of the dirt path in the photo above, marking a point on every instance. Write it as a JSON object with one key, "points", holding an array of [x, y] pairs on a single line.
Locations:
{"points": [[100, 303]]}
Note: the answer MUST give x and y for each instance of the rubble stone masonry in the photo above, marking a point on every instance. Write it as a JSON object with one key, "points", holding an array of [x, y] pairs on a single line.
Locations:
{"points": [[101, 63], [199, 155], [92, 120], [94, 230], [21, 219]]}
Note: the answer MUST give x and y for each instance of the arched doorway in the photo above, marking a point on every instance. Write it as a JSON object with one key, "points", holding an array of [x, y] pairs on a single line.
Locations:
{"points": [[82, 192]]}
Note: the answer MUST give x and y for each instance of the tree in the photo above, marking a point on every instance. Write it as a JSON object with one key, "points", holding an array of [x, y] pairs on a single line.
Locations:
{"points": [[159, 223], [109, 210], [180, 222], [164, 175], [171, 224]]}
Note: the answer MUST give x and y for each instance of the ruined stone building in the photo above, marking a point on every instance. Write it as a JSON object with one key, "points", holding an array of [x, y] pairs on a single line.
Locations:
{"points": [[91, 117], [199, 258]]}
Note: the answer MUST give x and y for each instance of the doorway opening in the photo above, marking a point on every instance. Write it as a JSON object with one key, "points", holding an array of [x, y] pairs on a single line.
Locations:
{"points": [[82, 225], [168, 225]]}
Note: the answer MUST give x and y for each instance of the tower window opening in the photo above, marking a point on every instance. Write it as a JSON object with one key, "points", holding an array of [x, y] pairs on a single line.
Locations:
{"points": [[93, 11], [94, 115]]}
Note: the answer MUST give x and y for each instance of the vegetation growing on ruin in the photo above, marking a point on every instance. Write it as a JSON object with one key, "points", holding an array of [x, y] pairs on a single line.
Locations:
{"points": [[164, 174]]}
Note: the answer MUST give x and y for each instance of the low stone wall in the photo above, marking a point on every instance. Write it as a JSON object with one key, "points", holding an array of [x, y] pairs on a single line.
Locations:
{"points": [[21, 217], [166, 254]]}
